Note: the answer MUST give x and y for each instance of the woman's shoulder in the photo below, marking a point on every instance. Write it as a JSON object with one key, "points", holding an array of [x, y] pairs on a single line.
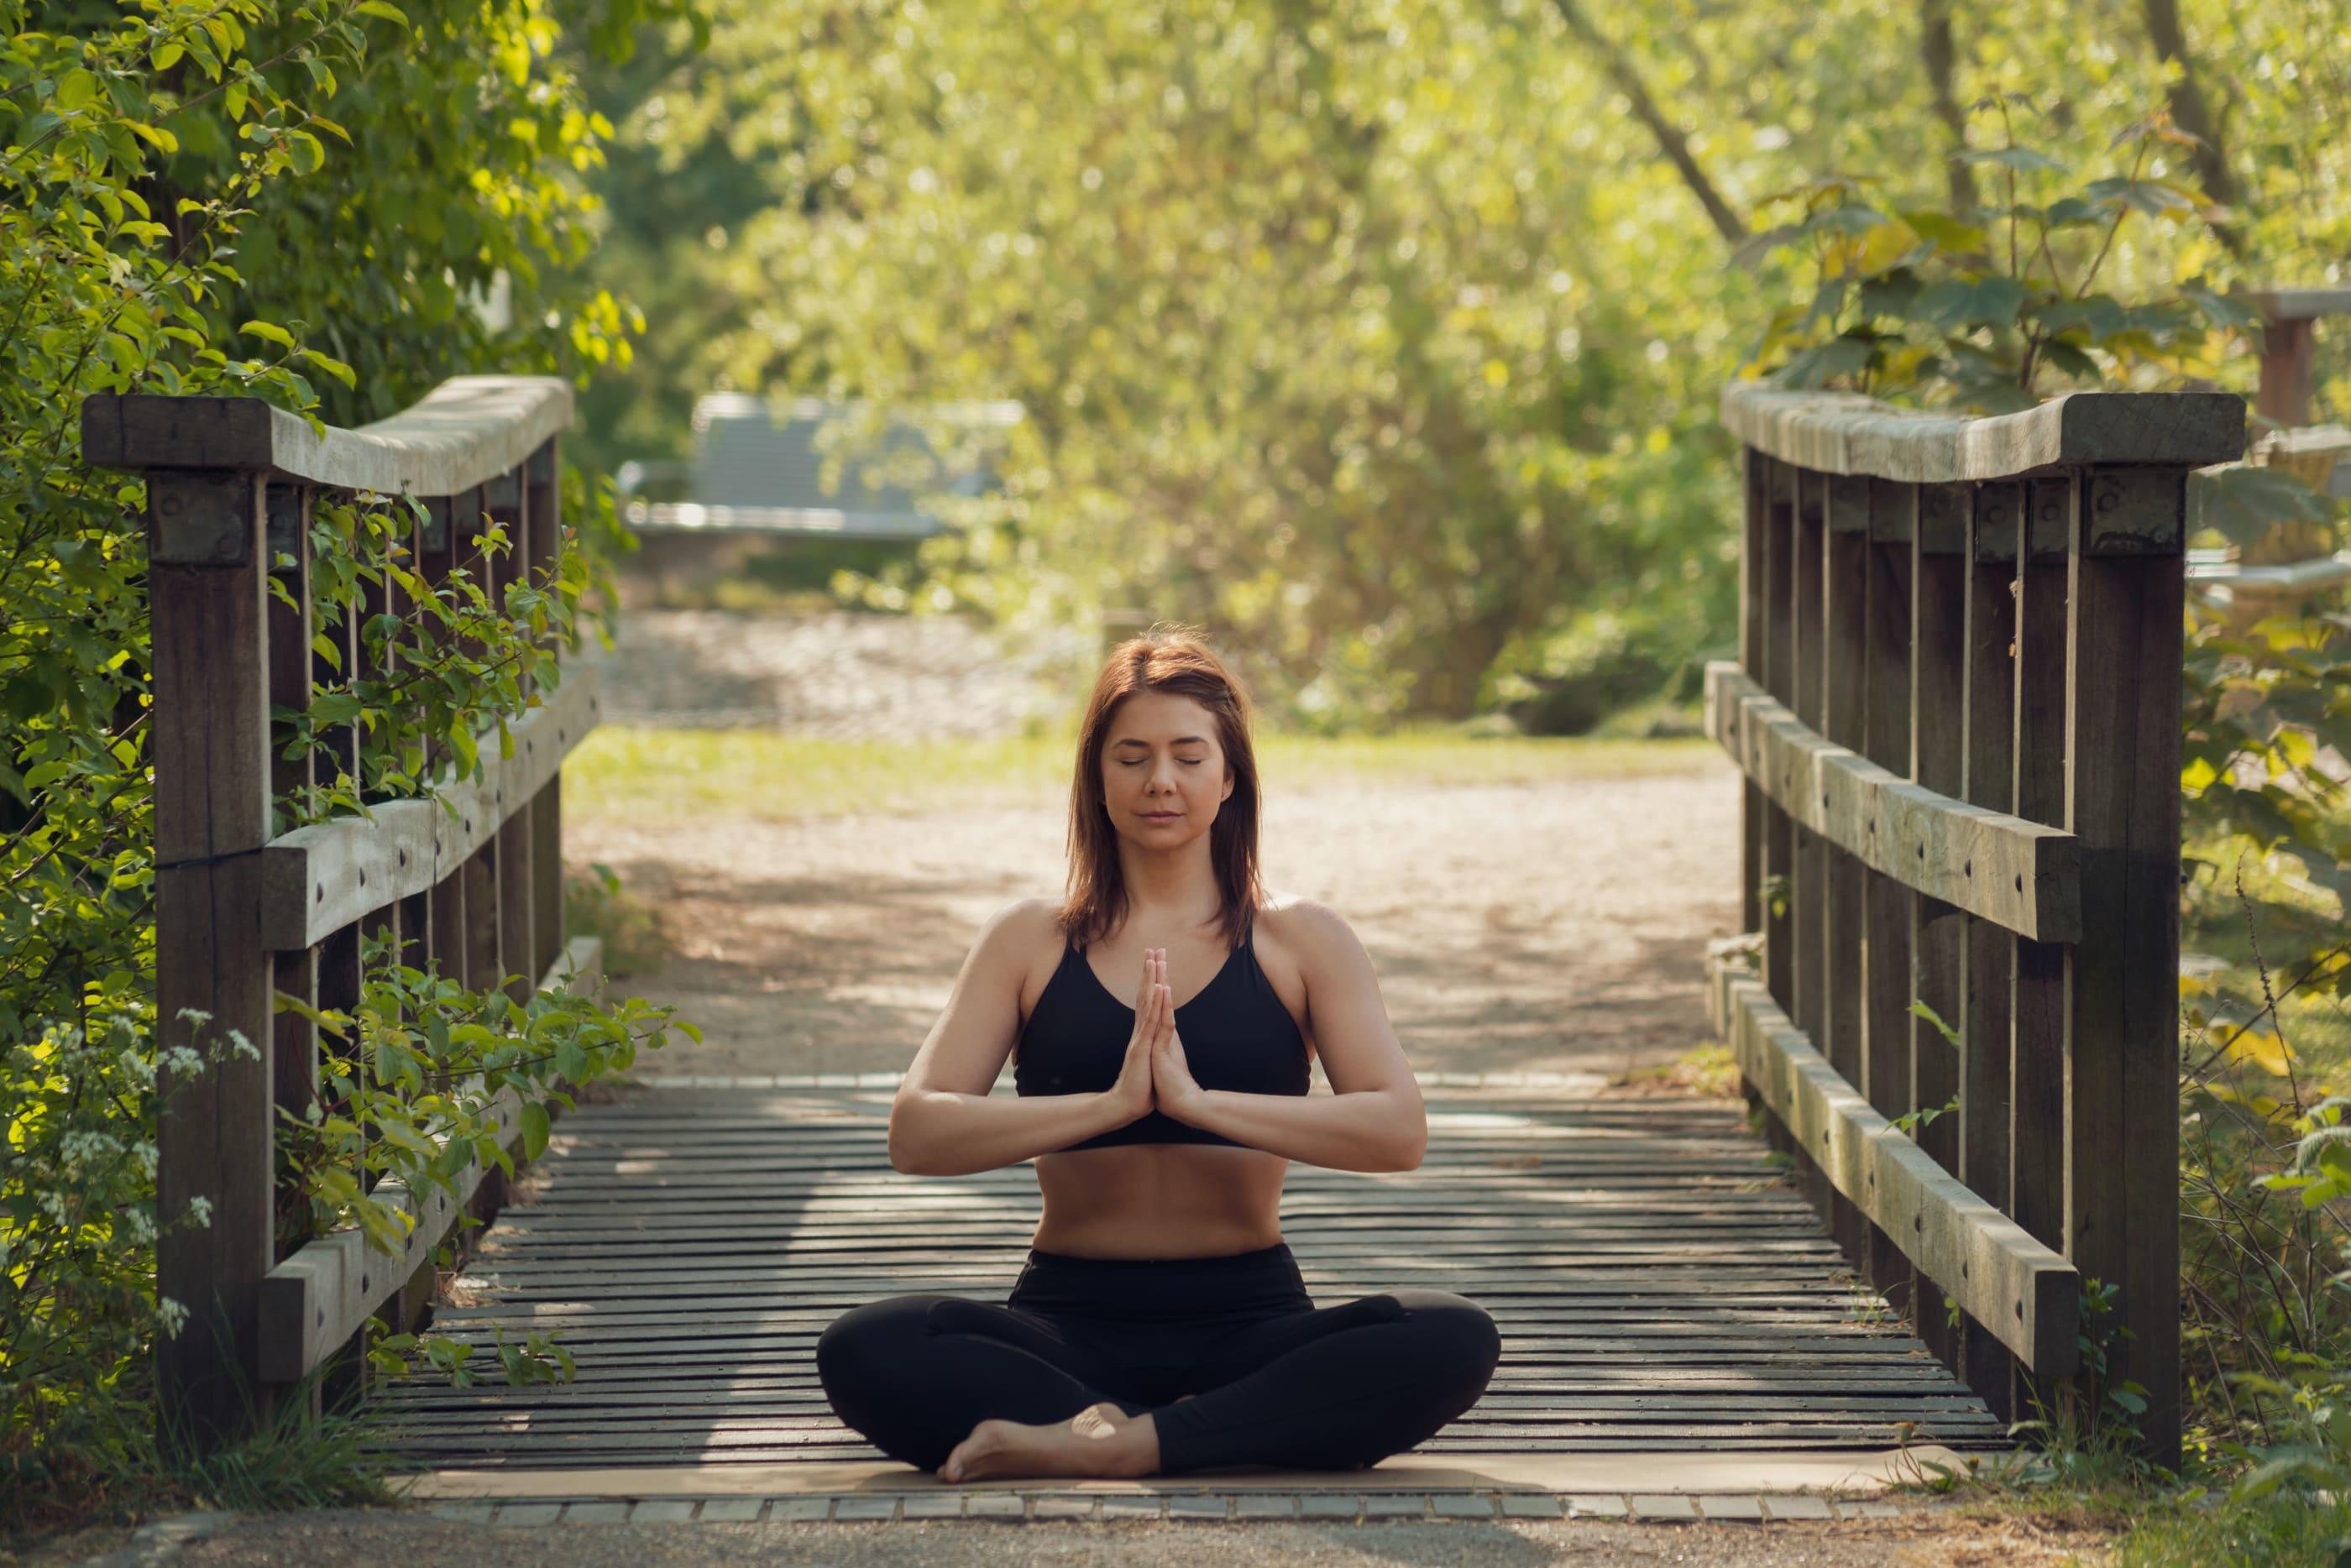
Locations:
{"points": [[1300, 924]]}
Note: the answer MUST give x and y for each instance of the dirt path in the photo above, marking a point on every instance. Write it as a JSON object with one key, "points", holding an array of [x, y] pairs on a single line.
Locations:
{"points": [[1554, 926]]}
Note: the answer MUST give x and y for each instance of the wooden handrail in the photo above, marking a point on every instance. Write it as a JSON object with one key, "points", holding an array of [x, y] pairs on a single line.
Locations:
{"points": [[1843, 432], [467, 431]]}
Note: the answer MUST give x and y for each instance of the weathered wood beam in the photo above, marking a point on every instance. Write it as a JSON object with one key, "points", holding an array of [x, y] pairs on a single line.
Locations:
{"points": [[465, 431], [2025, 1293], [2021, 875], [317, 1297], [317, 880], [1843, 432]]}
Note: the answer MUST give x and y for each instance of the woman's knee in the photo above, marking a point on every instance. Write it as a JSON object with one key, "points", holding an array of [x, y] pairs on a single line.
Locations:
{"points": [[871, 1338], [1453, 1332]]}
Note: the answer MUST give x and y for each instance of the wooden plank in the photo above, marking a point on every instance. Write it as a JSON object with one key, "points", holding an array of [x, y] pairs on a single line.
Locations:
{"points": [[1843, 432], [2122, 799], [2022, 874], [693, 1317], [463, 432], [318, 878], [316, 1300], [2022, 1291]]}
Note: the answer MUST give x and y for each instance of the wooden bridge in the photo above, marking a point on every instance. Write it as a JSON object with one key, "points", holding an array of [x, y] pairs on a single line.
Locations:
{"points": [[1958, 711]]}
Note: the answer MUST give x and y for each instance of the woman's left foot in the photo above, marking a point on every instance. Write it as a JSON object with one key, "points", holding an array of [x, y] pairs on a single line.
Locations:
{"points": [[1100, 1440]]}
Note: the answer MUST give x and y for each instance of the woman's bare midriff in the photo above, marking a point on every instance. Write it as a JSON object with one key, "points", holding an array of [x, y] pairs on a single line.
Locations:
{"points": [[1159, 1201]]}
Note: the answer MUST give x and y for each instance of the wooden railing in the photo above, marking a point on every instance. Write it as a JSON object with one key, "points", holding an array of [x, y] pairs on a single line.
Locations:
{"points": [[470, 880], [1957, 705]]}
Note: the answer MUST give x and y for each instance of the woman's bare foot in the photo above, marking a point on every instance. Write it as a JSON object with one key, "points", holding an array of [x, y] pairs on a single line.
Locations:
{"points": [[1099, 1440]]}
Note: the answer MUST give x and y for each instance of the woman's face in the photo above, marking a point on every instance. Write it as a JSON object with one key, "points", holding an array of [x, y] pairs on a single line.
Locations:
{"points": [[1162, 770]]}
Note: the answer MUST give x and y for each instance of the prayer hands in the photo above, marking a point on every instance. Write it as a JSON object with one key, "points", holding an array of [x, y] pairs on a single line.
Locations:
{"points": [[1154, 1017]]}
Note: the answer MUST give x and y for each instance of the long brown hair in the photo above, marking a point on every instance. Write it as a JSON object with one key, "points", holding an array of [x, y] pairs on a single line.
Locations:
{"points": [[1173, 660]]}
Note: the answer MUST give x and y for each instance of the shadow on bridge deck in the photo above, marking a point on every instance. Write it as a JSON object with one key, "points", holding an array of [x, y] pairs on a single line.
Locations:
{"points": [[1660, 1292]]}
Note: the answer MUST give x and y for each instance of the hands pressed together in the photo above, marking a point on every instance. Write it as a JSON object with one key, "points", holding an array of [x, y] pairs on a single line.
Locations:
{"points": [[1155, 1075]]}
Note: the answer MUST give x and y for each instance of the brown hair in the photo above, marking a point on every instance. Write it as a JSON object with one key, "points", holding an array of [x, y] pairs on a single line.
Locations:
{"points": [[1173, 660]]}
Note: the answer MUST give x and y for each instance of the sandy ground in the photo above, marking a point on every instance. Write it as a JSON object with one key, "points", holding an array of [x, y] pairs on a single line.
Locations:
{"points": [[1555, 926]]}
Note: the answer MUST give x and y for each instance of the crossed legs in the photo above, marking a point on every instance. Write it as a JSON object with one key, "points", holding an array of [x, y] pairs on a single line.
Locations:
{"points": [[1333, 1387]]}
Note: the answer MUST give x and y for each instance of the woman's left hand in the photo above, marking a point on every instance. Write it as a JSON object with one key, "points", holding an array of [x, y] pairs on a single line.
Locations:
{"points": [[1172, 1084]]}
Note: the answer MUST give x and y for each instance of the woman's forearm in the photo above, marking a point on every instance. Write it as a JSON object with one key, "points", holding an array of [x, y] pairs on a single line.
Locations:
{"points": [[1370, 1129], [936, 1132]]}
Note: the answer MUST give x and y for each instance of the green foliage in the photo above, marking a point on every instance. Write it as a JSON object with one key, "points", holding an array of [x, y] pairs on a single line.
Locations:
{"points": [[1990, 310], [179, 213]]}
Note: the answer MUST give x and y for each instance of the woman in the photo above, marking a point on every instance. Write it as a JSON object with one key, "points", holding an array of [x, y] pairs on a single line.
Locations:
{"points": [[1161, 1324]]}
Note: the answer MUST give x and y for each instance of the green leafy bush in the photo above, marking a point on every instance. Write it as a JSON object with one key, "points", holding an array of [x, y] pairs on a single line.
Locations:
{"points": [[180, 213]]}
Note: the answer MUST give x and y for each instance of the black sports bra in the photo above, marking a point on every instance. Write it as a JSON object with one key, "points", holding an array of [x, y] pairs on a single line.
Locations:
{"points": [[1237, 1035]]}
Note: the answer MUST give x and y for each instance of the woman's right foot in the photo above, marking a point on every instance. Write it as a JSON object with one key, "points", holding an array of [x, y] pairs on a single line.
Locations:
{"points": [[1101, 1440]]}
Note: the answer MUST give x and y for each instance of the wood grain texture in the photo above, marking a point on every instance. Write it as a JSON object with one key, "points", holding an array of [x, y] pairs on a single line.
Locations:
{"points": [[2024, 876], [2022, 1291], [1843, 432], [463, 432], [330, 874], [1641, 1303], [313, 1303]]}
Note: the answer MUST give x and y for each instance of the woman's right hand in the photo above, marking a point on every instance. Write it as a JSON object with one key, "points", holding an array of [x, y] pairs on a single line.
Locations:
{"points": [[1155, 1015]]}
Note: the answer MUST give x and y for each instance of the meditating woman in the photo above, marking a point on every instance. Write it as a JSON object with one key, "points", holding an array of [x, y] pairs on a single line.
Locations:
{"points": [[1161, 1324]]}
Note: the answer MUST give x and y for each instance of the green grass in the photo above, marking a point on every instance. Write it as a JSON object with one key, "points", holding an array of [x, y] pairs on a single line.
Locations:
{"points": [[671, 775]]}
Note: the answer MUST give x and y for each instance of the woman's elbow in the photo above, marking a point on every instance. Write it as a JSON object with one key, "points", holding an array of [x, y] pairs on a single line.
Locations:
{"points": [[1411, 1146], [906, 1147]]}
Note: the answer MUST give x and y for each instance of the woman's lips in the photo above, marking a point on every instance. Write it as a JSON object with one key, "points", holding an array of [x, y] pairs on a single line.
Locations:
{"points": [[1161, 815]]}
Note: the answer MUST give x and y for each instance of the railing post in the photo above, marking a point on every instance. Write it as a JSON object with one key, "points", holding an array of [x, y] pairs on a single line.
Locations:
{"points": [[2036, 1138], [214, 1192], [2124, 605]]}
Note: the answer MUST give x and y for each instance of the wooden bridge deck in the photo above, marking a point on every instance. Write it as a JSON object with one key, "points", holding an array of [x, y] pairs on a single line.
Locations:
{"points": [[1658, 1288]]}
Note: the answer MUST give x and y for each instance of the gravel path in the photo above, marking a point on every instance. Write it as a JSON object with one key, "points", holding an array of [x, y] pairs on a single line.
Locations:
{"points": [[1555, 927], [1552, 927], [366, 1539]]}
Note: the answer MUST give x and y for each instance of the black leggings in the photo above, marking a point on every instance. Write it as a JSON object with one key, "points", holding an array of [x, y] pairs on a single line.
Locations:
{"points": [[1278, 1381]]}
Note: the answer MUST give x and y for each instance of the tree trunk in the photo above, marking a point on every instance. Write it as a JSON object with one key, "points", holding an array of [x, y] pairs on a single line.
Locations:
{"points": [[1940, 55], [2192, 115]]}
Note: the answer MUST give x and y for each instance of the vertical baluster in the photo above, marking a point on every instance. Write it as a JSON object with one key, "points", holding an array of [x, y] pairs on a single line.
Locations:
{"points": [[510, 509], [294, 1066], [1754, 555], [1844, 602], [1986, 949], [2037, 969], [443, 901], [2125, 600], [206, 576], [477, 950], [1808, 891], [545, 506], [1938, 697], [1885, 903], [1779, 676], [1777, 634]]}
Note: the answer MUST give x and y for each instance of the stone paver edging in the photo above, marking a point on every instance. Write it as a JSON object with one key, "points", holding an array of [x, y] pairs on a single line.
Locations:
{"points": [[1320, 1507]]}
